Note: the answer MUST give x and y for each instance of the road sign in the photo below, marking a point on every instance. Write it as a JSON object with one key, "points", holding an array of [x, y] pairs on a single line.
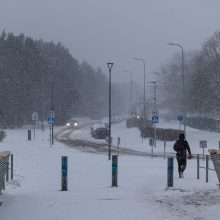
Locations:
{"points": [[154, 112], [34, 116], [203, 144], [180, 117], [52, 114], [151, 141], [155, 119], [50, 120]]}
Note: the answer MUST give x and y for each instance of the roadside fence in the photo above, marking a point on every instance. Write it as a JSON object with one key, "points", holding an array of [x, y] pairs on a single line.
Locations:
{"points": [[5, 166]]}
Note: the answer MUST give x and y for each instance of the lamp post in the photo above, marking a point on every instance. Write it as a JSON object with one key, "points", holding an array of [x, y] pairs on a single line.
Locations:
{"points": [[140, 59], [155, 112], [183, 89], [52, 110], [128, 71], [110, 65]]}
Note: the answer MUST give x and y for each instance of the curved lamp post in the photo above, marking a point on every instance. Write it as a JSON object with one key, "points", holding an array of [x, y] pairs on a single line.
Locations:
{"points": [[183, 75], [140, 59], [128, 71]]}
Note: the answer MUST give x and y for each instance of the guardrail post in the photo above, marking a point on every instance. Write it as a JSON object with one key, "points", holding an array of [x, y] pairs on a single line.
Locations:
{"points": [[207, 168], [197, 166], [170, 172], [12, 166]]}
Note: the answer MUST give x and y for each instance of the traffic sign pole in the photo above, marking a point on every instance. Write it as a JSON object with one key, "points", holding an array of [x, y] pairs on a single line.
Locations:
{"points": [[51, 122], [155, 120]]}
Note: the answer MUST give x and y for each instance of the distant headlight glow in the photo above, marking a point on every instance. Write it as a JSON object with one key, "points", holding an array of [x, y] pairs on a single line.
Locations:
{"points": [[68, 124]]}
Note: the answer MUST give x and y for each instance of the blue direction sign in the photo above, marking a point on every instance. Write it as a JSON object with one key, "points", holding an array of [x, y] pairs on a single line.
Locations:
{"points": [[50, 120], [155, 119], [180, 117]]}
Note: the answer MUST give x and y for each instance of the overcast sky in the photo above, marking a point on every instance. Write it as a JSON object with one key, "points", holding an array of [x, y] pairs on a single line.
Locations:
{"points": [[101, 31]]}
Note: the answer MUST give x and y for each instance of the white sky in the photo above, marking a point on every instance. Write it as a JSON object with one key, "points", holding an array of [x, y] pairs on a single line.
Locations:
{"points": [[101, 31]]}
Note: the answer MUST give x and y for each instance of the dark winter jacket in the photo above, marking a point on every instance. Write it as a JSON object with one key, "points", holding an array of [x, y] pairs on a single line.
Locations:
{"points": [[181, 146]]}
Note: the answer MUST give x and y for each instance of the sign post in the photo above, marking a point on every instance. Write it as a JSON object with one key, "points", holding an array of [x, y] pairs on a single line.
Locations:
{"points": [[151, 143], [51, 122], [118, 143], [155, 120], [34, 119], [180, 118], [52, 114], [203, 144]]}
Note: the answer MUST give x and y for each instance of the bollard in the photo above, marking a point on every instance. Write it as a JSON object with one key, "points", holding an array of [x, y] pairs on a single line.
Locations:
{"points": [[170, 172], [197, 166], [114, 170], [64, 173], [29, 135], [207, 168]]}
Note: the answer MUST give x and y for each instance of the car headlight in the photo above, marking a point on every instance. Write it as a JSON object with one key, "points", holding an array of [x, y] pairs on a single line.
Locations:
{"points": [[75, 124], [68, 124]]}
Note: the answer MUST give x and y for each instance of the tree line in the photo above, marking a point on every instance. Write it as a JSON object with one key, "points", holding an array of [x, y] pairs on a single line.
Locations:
{"points": [[202, 81], [29, 68]]}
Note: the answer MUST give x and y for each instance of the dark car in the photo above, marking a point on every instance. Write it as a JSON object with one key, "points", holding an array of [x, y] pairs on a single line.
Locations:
{"points": [[94, 127], [101, 133]]}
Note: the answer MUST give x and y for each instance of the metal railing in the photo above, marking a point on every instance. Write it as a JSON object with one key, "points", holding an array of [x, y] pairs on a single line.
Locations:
{"points": [[215, 156], [4, 168]]}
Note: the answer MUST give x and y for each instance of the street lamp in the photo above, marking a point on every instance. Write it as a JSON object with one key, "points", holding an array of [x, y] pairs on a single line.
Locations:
{"points": [[183, 75], [110, 65], [136, 58], [128, 71], [154, 113]]}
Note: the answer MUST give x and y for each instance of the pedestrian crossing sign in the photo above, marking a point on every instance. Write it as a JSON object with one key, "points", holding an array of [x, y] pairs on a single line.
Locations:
{"points": [[50, 120]]}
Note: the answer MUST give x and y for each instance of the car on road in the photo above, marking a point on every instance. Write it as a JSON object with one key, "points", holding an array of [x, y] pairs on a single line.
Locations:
{"points": [[99, 131], [72, 124], [94, 127]]}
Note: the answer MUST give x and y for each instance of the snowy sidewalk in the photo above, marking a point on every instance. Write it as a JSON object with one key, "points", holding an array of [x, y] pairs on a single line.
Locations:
{"points": [[35, 192]]}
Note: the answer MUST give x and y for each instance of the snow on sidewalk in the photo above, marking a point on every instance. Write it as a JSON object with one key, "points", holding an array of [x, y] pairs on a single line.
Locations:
{"points": [[35, 192]]}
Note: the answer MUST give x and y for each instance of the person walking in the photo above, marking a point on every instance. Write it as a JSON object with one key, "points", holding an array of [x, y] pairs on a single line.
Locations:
{"points": [[181, 147]]}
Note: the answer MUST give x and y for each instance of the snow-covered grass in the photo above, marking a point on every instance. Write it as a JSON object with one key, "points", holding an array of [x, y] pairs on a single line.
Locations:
{"points": [[35, 194]]}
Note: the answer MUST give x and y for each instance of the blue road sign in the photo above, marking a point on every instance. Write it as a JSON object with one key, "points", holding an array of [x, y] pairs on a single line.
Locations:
{"points": [[180, 117], [155, 119], [50, 120]]}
